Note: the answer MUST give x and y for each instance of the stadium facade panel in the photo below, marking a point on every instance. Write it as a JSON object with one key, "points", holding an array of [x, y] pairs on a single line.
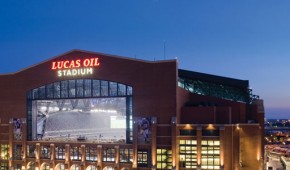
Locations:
{"points": [[92, 111]]}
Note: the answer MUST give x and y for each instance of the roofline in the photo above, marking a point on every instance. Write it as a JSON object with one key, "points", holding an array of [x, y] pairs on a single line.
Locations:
{"points": [[96, 53]]}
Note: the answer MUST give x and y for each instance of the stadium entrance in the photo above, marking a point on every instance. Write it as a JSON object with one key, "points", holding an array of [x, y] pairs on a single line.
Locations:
{"points": [[80, 110]]}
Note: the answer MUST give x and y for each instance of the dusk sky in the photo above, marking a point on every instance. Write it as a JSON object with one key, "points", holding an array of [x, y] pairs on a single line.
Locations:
{"points": [[242, 39]]}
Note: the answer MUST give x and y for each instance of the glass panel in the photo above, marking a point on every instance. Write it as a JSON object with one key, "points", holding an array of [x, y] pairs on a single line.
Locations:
{"points": [[41, 92], [4, 154], [49, 91], [113, 89], [121, 90], [80, 88], [129, 90], [35, 94], [64, 89], [72, 88], [31, 151], [88, 91], [104, 88], [96, 88], [56, 90]]}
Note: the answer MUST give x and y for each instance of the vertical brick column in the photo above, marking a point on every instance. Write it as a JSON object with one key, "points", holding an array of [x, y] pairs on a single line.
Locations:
{"points": [[11, 145], [199, 138], [67, 157], [52, 156], [174, 147], [117, 153], [153, 141], [135, 143], [222, 158], [83, 158], [100, 156]]}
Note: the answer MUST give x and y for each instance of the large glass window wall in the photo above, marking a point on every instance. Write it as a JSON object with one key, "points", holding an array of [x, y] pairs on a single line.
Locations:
{"points": [[108, 154], [31, 151], [91, 153], [164, 159], [60, 152], [126, 155], [188, 153], [75, 153], [4, 151], [79, 89], [4, 166], [210, 154], [45, 152]]}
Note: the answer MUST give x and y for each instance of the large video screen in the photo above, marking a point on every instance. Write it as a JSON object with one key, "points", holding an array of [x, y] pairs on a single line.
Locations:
{"points": [[93, 119]]}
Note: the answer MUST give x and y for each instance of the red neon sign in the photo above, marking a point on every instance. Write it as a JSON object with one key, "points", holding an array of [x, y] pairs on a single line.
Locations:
{"points": [[69, 64]]}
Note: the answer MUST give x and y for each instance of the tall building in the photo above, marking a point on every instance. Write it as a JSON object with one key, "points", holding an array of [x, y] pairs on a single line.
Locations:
{"points": [[91, 111]]}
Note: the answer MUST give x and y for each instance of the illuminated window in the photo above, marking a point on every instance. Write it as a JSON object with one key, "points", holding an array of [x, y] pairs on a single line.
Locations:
{"points": [[45, 166], [126, 155], [108, 154], [60, 152], [91, 154], [210, 154], [4, 151], [31, 151], [75, 153], [164, 159], [142, 158], [17, 167], [4, 166], [188, 153], [45, 152]]}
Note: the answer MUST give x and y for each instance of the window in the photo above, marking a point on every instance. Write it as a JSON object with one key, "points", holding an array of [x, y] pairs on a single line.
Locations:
{"points": [[4, 151], [108, 154], [104, 88], [87, 88], [210, 154], [113, 89], [188, 153], [64, 89], [56, 90], [142, 158], [72, 88], [80, 88], [185, 132], [31, 151], [4, 166], [126, 155], [75, 153], [121, 90], [96, 88], [60, 152], [45, 152], [164, 159], [45, 166], [17, 152], [91, 154], [17, 167]]}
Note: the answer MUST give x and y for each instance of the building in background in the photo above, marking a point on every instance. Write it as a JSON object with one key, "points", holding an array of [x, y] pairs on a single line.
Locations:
{"points": [[92, 111]]}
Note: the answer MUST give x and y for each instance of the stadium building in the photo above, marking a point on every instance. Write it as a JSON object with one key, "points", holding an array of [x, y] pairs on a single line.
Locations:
{"points": [[91, 111]]}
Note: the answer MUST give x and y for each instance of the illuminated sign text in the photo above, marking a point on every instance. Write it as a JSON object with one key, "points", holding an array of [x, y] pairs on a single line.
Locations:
{"points": [[77, 67]]}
